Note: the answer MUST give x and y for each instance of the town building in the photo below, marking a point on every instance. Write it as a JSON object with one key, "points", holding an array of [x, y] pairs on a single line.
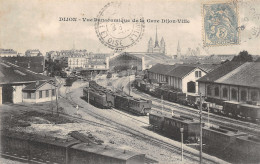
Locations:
{"points": [[8, 53], [179, 76], [57, 55], [232, 81], [155, 47], [125, 61], [75, 61], [19, 85], [34, 52]]}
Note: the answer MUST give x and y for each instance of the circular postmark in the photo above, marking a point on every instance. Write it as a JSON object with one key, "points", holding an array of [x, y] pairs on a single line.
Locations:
{"points": [[117, 27]]}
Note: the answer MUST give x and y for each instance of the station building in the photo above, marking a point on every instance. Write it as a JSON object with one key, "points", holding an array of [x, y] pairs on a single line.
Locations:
{"points": [[180, 76], [19, 85], [232, 81]]}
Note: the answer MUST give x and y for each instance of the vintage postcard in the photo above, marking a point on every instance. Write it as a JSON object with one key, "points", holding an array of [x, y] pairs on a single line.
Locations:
{"points": [[121, 81]]}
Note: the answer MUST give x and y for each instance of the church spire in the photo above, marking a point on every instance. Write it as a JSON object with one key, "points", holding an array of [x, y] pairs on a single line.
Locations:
{"points": [[156, 39], [178, 49]]}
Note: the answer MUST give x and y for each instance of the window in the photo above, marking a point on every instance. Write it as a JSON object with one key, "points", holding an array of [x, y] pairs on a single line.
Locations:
{"points": [[196, 74], [254, 96], [208, 90], [53, 92], [29, 95], [47, 93], [225, 93], [40, 94], [243, 95], [216, 91], [233, 94]]}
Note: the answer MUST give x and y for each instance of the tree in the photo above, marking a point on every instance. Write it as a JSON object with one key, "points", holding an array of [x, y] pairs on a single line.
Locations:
{"points": [[243, 56], [258, 59]]}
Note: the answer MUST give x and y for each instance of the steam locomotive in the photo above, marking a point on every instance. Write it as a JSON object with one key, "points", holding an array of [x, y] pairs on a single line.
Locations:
{"points": [[105, 98]]}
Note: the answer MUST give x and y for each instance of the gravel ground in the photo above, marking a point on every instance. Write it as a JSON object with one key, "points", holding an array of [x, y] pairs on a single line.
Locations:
{"points": [[111, 136], [9, 161]]}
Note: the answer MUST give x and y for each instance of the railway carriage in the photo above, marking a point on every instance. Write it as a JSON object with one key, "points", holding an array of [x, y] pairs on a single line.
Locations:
{"points": [[250, 112], [193, 100], [110, 97], [175, 96], [214, 108], [97, 98], [137, 106], [248, 147], [69, 80], [230, 108], [181, 98], [220, 138], [172, 126], [156, 119]]}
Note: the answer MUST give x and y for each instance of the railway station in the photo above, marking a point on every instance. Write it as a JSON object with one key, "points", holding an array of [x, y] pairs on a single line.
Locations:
{"points": [[178, 82]]}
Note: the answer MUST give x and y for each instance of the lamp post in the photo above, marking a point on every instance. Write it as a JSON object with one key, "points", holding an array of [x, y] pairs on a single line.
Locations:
{"points": [[181, 129]]}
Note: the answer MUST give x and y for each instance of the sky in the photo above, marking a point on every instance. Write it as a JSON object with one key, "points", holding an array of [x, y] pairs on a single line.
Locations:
{"points": [[34, 24]]}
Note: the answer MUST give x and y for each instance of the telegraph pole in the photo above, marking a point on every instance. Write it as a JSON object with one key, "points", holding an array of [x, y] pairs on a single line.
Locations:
{"points": [[162, 102], [88, 94], [129, 84], [200, 129], [56, 94], [51, 99]]}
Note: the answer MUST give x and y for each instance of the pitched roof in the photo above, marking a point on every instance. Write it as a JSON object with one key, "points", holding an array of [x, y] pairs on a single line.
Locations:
{"points": [[36, 62], [220, 71], [10, 73], [247, 74], [181, 71], [34, 85], [161, 68]]}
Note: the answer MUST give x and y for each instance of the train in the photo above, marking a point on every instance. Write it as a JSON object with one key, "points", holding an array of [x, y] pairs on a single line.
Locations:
{"points": [[233, 144], [223, 139], [69, 80], [237, 110], [105, 98], [35, 148], [170, 126]]}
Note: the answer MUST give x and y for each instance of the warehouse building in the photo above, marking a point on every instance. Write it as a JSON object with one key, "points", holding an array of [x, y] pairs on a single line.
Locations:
{"points": [[22, 85], [180, 76], [232, 81]]}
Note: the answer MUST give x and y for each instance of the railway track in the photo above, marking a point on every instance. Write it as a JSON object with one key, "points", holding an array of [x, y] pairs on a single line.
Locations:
{"points": [[190, 155], [12, 156], [194, 113]]}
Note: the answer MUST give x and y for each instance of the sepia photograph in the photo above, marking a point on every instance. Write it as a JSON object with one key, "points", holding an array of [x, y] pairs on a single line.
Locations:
{"points": [[129, 81]]}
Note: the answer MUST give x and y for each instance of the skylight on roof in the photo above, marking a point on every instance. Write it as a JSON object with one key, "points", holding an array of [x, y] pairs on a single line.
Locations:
{"points": [[19, 72], [8, 66]]}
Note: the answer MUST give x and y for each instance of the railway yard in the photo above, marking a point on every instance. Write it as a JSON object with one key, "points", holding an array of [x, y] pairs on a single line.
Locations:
{"points": [[112, 127]]}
